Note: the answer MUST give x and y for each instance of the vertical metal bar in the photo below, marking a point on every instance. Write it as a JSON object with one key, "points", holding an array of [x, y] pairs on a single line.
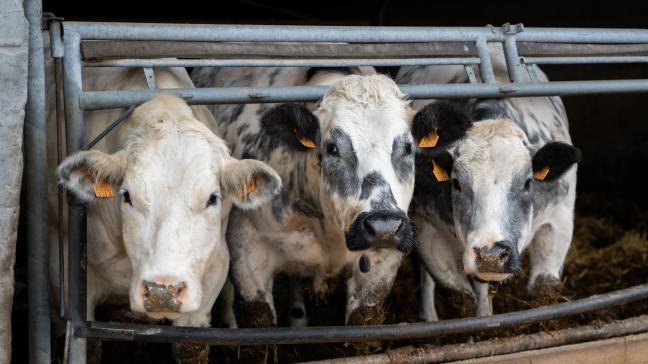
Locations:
{"points": [[56, 46], [470, 73], [485, 65], [512, 59], [35, 195], [76, 212]]}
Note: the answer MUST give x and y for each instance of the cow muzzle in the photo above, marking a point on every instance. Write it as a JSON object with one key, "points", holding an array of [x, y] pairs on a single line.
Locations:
{"points": [[158, 296], [380, 229], [496, 262]]}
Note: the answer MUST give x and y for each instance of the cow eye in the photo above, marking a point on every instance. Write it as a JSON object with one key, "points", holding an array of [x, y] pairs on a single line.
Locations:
{"points": [[126, 196], [408, 148], [527, 184], [456, 185], [213, 199], [332, 149]]}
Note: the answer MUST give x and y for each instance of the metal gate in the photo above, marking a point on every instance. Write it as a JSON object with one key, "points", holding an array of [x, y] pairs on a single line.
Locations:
{"points": [[88, 44]]}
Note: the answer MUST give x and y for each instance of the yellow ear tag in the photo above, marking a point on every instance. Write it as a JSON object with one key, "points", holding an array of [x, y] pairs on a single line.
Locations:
{"points": [[430, 140], [102, 189], [440, 173], [541, 174], [308, 143], [248, 189]]}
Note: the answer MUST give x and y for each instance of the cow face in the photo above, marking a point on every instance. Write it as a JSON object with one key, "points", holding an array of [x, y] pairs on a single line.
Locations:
{"points": [[176, 184], [360, 140], [486, 177]]}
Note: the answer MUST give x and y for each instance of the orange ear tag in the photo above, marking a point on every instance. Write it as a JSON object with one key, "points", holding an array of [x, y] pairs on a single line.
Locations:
{"points": [[440, 173], [102, 189], [248, 189], [308, 143], [430, 140], [541, 174]]}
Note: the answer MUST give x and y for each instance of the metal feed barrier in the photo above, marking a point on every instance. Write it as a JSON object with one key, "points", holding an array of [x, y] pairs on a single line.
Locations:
{"points": [[88, 44]]}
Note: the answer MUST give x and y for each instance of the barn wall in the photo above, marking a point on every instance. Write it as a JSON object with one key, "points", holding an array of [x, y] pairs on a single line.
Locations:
{"points": [[13, 95]]}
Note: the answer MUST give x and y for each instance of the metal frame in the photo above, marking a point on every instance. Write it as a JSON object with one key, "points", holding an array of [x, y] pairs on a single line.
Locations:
{"points": [[511, 36]]}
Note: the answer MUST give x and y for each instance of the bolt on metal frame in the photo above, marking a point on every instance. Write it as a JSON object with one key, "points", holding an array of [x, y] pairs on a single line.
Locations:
{"points": [[77, 101]]}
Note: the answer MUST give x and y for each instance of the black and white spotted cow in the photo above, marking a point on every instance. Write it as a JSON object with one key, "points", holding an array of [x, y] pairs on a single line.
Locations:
{"points": [[348, 178], [493, 178]]}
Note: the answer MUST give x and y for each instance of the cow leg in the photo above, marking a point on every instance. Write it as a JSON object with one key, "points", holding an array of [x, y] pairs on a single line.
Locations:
{"points": [[297, 312], [97, 288], [427, 310], [252, 271], [484, 306], [227, 305], [548, 251], [439, 254]]}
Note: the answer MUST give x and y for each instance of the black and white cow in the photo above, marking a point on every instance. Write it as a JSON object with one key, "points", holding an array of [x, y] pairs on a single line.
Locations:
{"points": [[493, 178], [348, 178]]}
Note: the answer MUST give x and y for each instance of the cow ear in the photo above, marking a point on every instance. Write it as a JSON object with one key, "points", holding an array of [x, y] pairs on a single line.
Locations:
{"points": [[440, 124], [294, 125], [92, 174], [554, 159], [249, 183]]}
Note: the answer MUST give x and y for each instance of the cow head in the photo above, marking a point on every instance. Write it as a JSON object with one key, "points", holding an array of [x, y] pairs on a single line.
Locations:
{"points": [[482, 176], [360, 142], [176, 183]]}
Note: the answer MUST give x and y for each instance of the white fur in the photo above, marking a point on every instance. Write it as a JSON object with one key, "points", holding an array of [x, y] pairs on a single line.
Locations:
{"points": [[170, 162]]}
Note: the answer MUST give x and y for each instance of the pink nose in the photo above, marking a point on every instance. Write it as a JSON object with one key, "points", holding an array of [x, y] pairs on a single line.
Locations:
{"points": [[163, 294]]}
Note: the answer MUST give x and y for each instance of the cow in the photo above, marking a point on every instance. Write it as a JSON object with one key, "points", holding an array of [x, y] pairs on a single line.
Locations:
{"points": [[159, 243], [493, 178], [348, 173]]}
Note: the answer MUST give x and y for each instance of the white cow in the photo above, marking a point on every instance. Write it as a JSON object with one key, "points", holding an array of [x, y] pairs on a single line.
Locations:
{"points": [[159, 244], [493, 178]]}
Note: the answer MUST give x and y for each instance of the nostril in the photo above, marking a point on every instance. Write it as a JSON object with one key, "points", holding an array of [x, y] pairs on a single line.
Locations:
{"points": [[504, 256], [368, 228]]}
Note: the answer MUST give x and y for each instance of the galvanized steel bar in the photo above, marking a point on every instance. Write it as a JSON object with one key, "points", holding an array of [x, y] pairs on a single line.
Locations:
{"points": [[352, 34], [330, 334], [57, 51], [94, 100], [35, 194], [111, 49], [584, 60], [512, 60], [485, 64], [277, 33], [279, 62], [76, 212]]}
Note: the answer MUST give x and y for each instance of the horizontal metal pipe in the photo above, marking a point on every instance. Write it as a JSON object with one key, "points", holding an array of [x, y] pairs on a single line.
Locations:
{"points": [[94, 100], [307, 335], [500, 346], [366, 34], [584, 60], [277, 33], [111, 49], [279, 62]]}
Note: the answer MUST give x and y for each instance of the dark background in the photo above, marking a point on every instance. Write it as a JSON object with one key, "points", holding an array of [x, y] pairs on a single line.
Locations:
{"points": [[611, 130]]}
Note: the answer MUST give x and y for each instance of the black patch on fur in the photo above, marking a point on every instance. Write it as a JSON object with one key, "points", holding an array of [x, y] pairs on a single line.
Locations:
{"points": [[370, 182], [340, 171], [315, 70], [558, 156], [282, 122], [430, 193], [402, 157], [451, 118]]}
